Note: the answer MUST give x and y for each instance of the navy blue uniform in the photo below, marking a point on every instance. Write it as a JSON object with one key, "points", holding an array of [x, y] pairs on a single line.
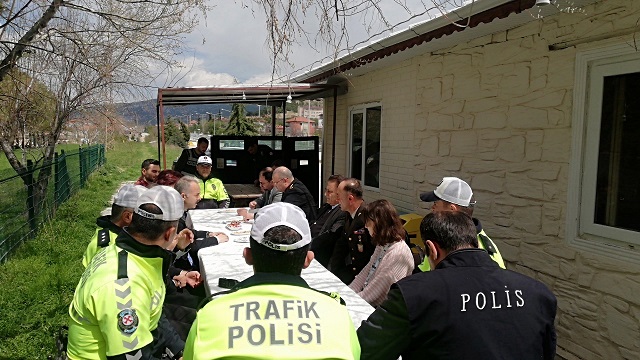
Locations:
{"points": [[298, 194], [468, 308], [353, 249], [326, 230]]}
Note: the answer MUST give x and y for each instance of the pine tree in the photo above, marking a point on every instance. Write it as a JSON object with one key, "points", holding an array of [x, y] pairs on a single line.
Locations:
{"points": [[238, 122]]}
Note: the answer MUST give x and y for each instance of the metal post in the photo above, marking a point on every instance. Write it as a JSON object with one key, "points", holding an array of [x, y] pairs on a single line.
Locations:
{"points": [[30, 200], [56, 180]]}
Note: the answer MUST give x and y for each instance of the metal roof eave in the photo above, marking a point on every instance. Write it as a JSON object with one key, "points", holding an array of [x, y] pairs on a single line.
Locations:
{"points": [[273, 95]]}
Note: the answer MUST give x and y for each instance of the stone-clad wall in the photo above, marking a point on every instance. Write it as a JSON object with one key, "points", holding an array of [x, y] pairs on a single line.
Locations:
{"points": [[497, 112]]}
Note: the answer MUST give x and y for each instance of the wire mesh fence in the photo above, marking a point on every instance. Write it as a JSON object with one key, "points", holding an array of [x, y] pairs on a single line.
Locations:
{"points": [[30, 200]]}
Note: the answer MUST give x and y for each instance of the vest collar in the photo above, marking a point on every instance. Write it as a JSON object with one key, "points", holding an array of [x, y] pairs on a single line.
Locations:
{"points": [[272, 279], [467, 258], [105, 223], [126, 242]]}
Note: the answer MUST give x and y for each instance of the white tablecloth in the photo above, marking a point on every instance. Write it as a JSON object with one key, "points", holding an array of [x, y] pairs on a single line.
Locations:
{"points": [[225, 260]]}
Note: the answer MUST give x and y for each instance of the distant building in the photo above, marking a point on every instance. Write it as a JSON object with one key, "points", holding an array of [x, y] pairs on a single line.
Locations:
{"points": [[300, 126]]}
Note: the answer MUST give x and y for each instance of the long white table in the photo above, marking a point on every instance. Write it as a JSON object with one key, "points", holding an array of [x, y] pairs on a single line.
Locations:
{"points": [[226, 261]]}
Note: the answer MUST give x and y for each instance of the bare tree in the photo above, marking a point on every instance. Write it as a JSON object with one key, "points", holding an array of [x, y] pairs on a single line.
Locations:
{"points": [[87, 53], [288, 23]]}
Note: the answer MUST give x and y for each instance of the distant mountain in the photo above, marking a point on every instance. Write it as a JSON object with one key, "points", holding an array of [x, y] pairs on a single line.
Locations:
{"points": [[144, 112]]}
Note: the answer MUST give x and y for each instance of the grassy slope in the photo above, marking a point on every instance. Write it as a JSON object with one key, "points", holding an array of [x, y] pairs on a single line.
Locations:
{"points": [[37, 283]]}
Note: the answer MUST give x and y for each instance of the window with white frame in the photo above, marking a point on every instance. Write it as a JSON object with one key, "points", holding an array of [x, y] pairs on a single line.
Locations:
{"points": [[606, 156], [364, 144]]}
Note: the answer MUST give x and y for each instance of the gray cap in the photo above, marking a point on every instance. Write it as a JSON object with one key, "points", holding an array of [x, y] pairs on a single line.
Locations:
{"points": [[451, 189], [166, 198], [277, 214], [128, 195]]}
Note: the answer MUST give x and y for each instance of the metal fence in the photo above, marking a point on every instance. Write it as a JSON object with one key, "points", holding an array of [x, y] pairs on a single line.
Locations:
{"points": [[20, 216]]}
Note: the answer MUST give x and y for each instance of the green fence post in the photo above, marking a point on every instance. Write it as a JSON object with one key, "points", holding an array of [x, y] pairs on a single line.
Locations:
{"points": [[30, 203], [56, 180], [82, 166]]}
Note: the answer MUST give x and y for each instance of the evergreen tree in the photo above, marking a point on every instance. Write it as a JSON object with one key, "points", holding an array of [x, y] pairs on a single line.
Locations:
{"points": [[173, 135], [184, 130], [238, 122]]}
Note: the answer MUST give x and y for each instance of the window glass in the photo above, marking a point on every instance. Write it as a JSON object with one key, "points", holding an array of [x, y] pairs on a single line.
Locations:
{"points": [[617, 191], [357, 120], [365, 145], [372, 147], [273, 144], [231, 144], [304, 145]]}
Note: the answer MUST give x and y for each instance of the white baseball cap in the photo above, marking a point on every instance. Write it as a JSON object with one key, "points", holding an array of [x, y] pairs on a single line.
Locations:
{"points": [[204, 159], [128, 195], [277, 214], [166, 198], [451, 189]]}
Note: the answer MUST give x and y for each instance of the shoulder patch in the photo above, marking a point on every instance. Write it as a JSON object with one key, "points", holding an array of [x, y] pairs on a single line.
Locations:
{"points": [[103, 238], [128, 321], [488, 244]]}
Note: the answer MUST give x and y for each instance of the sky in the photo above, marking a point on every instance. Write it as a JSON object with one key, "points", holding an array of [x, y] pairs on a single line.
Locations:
{"points": [[230, 43]]}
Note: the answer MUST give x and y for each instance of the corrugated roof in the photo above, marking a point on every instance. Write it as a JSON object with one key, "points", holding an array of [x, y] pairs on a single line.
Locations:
{"points": [[483, 16]]}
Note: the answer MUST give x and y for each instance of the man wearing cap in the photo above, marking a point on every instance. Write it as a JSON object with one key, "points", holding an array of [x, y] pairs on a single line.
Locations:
{"points": [[274, 314], [467, 307], [109, 226], [148, 173], [188, 160], [294, 191], [116, 310], [212, 192], [454, 194], [181, 302], [354, 248]]}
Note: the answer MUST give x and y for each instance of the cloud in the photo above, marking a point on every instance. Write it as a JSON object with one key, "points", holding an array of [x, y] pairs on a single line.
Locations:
{"points": [[196, 74]]}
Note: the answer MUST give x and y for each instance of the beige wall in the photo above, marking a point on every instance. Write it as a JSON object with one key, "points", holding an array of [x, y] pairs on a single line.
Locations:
{"points": [[497, 112], [395, 88]]}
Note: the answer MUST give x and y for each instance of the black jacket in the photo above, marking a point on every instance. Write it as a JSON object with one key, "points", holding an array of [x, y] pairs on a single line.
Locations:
{"points": [[187, 161], [298, 194], [325, 231], [353, 249], [467, 308]]}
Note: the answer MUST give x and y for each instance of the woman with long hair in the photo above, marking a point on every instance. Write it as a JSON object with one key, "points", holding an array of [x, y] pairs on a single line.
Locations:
{"points": [[391, 260]]}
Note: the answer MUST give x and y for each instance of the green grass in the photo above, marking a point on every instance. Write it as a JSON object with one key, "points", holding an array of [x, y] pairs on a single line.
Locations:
{"points": [[38, 280]]}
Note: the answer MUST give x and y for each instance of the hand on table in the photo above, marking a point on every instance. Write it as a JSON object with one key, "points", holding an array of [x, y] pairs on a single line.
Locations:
{"points": [[222, 237], [242, 211], [252, 205]]}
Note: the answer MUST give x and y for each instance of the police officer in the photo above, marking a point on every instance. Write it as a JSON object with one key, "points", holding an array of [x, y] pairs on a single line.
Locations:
{"points": [[466, 308], [354, 248], [212, 192], [109, 226], [294, 191], [117, 305], [454, 194], [274, 314], [188, 159]]}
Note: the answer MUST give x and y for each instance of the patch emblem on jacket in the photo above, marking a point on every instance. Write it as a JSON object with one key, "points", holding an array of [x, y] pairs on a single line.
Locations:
{"points": [[359, 231], [128, 321]]}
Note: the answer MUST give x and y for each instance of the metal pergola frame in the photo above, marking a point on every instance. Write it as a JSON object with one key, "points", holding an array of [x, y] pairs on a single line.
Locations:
{"points": [[274, 95]]}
